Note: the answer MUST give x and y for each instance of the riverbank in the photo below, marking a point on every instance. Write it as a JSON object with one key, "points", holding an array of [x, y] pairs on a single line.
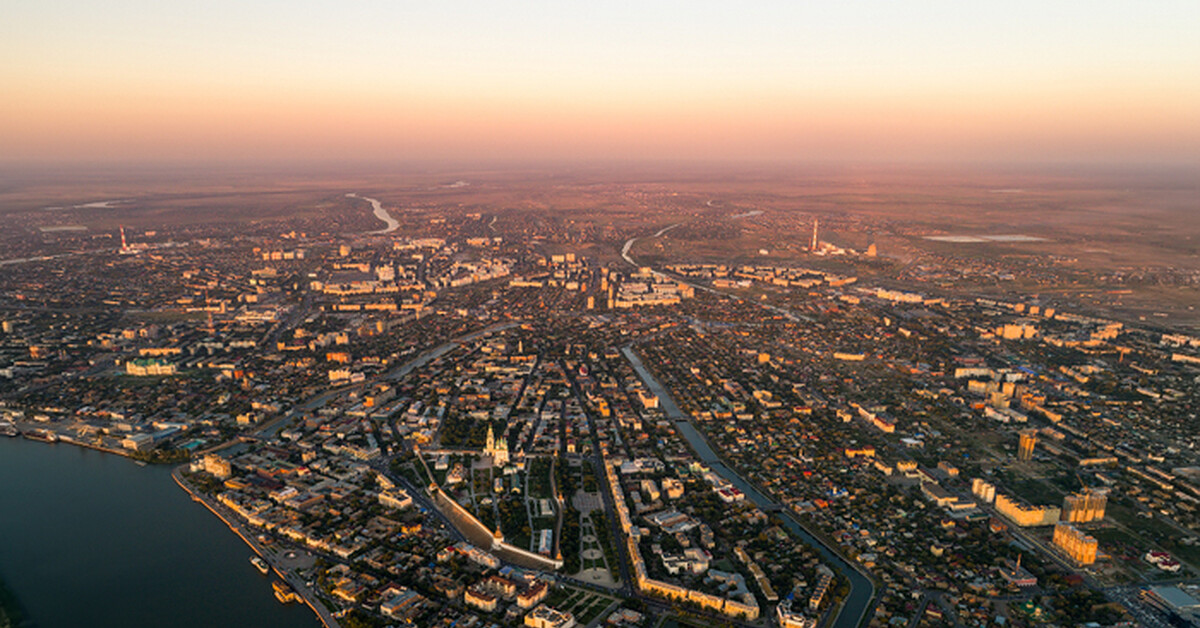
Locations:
{"points": [[43, 434], [301, 590]]}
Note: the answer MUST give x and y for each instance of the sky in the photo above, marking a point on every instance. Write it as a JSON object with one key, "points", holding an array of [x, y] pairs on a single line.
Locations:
{"points": [[873, 81]]}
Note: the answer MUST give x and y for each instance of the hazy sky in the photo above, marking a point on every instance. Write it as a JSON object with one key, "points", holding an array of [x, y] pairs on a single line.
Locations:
{"points": [[805, 80]]}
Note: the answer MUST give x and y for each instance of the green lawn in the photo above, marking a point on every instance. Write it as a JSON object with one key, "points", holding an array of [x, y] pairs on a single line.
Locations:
{"points": [[597, 607]]}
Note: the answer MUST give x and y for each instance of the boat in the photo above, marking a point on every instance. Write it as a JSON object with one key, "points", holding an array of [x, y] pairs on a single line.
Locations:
{"points": [[8, 429], [261, 564], [284, 593], [46, 436]]}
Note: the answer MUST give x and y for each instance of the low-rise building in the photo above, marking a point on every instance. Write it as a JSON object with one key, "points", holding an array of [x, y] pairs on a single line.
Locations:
{"points": [[546, 617]]}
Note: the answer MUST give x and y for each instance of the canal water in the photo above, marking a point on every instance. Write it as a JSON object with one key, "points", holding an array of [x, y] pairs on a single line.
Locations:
{"points": [[91, 539], [858, 602]]}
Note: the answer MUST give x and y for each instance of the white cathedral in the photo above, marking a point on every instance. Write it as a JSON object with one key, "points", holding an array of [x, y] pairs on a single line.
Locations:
{"points": [[498, 451]]}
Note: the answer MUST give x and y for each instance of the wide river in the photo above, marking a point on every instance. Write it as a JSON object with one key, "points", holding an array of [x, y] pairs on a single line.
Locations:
{"points": [[91, 539]]}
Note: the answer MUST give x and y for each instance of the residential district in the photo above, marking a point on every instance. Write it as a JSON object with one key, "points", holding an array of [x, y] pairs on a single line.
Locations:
{"points": [[463, 423]]}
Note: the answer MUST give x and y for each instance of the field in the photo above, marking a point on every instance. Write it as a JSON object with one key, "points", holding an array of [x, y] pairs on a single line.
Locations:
{"points": [[1122, 243]]}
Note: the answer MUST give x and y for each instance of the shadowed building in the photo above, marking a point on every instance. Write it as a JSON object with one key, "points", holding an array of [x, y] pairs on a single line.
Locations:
{"points": [[1026, 445], [1084, 506]]}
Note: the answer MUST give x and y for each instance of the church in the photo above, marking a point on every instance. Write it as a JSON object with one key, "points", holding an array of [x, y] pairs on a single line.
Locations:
{"points": [[498, 451]]}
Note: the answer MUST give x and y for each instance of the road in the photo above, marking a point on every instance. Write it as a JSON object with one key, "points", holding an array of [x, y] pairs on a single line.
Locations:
{"points": [[598, 464], [430, 355], [916, 618], [294, 318], [419, 496], [560, 509]]}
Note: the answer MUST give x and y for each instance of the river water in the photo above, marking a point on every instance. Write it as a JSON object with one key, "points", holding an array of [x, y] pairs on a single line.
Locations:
{"points": [[91, 539], [380, 213], [859, 601]]}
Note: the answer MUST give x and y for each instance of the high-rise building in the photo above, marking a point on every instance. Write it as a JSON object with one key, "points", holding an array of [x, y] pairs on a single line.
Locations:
{"points": [[1081, 547], [1084, 506], [813, 246], [984, 490], [1025, 515], [1074, 508], [1027, 443]]}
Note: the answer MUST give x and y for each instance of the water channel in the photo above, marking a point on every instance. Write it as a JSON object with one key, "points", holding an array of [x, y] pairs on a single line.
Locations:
{"points": [[862, 590]]}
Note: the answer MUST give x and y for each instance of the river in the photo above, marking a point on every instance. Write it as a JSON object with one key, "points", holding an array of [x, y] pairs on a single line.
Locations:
{"points": [[862, 590], [91, 539], [630, 241], [380, 213]]}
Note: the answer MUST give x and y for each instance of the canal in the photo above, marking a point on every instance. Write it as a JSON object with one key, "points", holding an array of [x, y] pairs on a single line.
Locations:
{"points": [[862, 590]]}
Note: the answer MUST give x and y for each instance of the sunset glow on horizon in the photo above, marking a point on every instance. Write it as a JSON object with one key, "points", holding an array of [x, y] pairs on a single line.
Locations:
{"points": [[134, 80]]}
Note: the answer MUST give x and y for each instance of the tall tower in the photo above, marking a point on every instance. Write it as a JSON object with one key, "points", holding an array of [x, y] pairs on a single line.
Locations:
{"points": [[813, 246], [1027, 443]]}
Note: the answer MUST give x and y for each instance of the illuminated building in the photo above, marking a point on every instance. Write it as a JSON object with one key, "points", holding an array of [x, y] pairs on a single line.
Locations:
{"points": [[1025, 515], [1075, 543]]}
